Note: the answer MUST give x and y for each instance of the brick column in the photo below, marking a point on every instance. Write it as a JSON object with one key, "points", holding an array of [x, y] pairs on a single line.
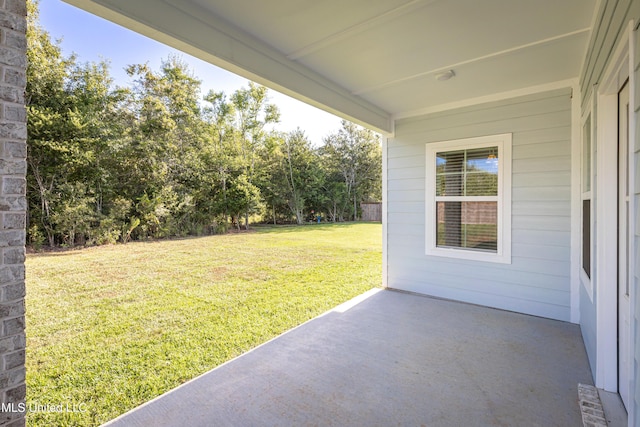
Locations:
{"points": [[13, 205]]}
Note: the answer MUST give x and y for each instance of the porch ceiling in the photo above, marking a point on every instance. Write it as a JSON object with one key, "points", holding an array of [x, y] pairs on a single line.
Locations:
{"points": [[373, 61]]}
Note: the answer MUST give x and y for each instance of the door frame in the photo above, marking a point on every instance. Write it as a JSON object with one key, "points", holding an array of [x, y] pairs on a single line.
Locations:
{"points": [[623, 260], [619, 70]]}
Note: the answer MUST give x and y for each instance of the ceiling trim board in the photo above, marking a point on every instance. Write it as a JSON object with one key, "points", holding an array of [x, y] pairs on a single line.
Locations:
{"points": [[547, 87], [585, 57]]}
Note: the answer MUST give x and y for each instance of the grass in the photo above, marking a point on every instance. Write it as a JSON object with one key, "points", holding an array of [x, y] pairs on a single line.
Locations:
{"points": [[109, 328]]}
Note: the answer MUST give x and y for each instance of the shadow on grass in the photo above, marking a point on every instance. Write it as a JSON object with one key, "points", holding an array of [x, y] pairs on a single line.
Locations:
{"points": [[309, 227], [255, 228]]}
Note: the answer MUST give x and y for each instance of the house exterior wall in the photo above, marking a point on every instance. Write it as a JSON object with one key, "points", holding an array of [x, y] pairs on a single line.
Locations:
{"points": [[13, 134], [609, 28], [538, 279], [636, 239], [588, 325], [609, 31]]}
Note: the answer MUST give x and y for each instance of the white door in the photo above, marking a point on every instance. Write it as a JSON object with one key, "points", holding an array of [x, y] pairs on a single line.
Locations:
{"points": [[624, 364]]}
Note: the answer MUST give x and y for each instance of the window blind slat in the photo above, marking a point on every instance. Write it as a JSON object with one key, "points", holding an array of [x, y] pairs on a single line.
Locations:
{"points": [[471, 225], [467, 172]]}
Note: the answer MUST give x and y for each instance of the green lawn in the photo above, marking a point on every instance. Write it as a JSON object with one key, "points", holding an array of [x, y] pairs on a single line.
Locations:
{"points": [[109, 328]]}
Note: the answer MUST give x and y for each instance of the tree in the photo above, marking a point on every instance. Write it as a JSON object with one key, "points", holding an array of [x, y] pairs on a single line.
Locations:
{"points": [[74, 212], [354, 156], [253, 113], [46, 72], [154, 159], [243, 196], [167, 136], [291, 173], [221, 157], [71, 111]]}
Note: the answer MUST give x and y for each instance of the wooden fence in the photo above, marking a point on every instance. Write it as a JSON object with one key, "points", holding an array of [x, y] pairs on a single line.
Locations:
{"points": [[371, 211]]}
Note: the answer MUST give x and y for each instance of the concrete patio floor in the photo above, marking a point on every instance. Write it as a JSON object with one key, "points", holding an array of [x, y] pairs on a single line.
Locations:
{"points": [[392, 359]]}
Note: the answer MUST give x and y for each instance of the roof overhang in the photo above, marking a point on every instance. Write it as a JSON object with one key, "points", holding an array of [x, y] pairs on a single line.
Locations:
{"points": [[373, 62]]}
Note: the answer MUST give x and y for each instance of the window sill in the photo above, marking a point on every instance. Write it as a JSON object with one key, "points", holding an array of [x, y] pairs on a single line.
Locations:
{"points": [[500, 258]]}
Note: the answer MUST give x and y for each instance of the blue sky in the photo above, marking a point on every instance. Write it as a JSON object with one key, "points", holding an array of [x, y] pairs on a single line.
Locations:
{"points": [[94, 39]]}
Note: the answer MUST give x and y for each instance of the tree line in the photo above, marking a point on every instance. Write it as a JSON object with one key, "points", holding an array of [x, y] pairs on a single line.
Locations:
{"points": [[156, 159]]}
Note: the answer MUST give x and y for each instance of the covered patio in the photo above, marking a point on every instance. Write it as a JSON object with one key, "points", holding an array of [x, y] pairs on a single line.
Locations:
{"points": [[553, 85], [392, 358]]}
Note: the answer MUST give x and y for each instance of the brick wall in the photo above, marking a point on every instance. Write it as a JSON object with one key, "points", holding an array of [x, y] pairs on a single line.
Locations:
{"points": [[13, 167]]}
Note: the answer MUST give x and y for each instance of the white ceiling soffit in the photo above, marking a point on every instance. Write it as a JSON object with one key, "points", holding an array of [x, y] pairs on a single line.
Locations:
{"points": [[372, 61]]}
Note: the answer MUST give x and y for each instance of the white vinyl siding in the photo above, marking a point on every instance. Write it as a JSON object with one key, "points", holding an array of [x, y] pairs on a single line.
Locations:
{"points": [[537, 280], [608, 30]]}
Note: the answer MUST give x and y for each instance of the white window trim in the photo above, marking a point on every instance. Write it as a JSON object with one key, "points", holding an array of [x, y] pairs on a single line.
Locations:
{"points": [[503, 142], [584, 195]]}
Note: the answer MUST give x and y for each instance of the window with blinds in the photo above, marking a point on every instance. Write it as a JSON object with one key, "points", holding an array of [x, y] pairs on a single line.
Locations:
{"points": [[467, 199], [467, 206]]}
